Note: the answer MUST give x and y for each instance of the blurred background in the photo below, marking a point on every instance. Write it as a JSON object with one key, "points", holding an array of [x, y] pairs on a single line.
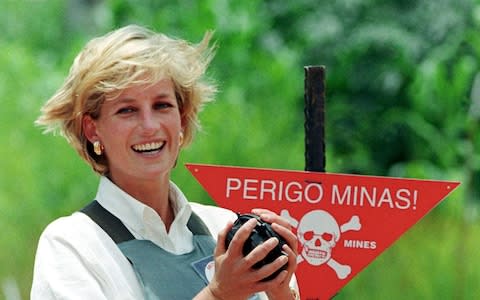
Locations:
{"points": [[403, 99]]}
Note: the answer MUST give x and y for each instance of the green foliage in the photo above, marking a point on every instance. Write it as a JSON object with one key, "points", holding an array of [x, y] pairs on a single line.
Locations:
{"points": [[402, 100]]}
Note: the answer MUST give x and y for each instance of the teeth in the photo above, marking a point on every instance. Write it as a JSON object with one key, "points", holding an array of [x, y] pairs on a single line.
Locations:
{"points": [[147, 146], [316, 253]]}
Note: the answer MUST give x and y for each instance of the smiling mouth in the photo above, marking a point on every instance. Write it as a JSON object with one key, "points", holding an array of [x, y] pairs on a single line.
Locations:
{"points": [[148, 147]]}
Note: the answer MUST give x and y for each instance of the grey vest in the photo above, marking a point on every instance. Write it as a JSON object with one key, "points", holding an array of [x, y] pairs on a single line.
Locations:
{"points": [[163, 275]]}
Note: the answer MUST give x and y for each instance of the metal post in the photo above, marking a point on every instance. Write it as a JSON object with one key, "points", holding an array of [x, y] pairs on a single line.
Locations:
{"points": [[314, 118]]}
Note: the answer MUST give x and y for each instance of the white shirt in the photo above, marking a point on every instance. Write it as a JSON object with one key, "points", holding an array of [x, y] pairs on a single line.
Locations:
{"points": [[76, 259]]}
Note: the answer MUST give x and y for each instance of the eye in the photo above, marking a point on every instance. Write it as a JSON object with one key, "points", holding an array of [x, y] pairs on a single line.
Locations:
{"points": [[308, 235], [162, 105], [126, 110], [327, 237]]}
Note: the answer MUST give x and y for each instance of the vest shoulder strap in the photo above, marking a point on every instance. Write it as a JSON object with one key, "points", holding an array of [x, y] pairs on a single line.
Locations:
{"points": [[108, 222], [196, 225], [117, 230]]}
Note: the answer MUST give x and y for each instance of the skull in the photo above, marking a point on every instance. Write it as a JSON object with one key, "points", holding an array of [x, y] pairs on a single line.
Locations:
{"points": [[318, 232]]}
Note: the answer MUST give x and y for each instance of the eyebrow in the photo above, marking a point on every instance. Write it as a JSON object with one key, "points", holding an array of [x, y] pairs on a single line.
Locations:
{"points": [[128, 99]]}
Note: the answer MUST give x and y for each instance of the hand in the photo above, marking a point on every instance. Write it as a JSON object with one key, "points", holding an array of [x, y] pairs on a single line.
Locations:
{"points": [[283, 228], [234, 276]]}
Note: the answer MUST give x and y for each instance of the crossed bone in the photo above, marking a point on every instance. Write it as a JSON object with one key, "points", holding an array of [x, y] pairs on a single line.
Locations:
{"points": [[354, 224]]}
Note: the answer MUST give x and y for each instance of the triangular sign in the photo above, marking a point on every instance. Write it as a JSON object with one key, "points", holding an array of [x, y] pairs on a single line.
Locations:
{"points": [[343, 222]]}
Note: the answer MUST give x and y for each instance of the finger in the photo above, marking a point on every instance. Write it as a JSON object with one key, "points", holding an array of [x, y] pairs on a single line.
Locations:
{"points": [[289, 257], [270, 269], [242, 234], [271, 217], [259, 211], [287, 235], [222, 236], [264, 214], [260, 252], [289, 251], [292, 258]]}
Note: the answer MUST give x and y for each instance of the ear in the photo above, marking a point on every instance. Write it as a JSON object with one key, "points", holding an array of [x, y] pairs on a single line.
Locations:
{"points": [[89, 128]]}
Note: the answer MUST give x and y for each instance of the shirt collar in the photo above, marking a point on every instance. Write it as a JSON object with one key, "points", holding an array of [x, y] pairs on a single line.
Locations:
{"points": [[144, 222]]}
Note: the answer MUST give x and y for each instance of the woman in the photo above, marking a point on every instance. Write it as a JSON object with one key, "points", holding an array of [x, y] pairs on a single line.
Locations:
{"points": [[128, 105]]}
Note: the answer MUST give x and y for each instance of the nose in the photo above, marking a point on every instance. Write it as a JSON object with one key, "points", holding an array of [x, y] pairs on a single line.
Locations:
{"points": [[148, 123]]}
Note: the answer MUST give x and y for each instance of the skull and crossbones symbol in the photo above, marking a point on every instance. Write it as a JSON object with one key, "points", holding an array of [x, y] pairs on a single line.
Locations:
{"points": [[318, 232]]}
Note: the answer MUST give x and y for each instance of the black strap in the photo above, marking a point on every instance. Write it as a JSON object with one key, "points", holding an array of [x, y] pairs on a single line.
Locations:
{"points": [[108, 222], [196, 225], [117, 230]]}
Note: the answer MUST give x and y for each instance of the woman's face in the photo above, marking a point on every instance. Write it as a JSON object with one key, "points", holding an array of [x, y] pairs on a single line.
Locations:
{"points": [[140, 131]]}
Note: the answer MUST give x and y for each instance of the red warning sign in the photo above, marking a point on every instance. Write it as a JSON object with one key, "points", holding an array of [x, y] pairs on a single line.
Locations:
{"points": [[343, 222]]}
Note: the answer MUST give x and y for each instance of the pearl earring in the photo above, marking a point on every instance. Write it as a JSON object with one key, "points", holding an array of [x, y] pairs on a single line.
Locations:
{"points": [[97, 148], [180, 138]]}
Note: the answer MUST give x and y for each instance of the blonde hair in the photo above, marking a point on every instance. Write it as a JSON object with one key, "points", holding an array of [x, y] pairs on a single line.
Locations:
{"points": [[129, 56]]}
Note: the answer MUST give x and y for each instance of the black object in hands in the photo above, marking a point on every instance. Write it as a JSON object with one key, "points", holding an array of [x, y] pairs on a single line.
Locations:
{"points": [[261, 233]]}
